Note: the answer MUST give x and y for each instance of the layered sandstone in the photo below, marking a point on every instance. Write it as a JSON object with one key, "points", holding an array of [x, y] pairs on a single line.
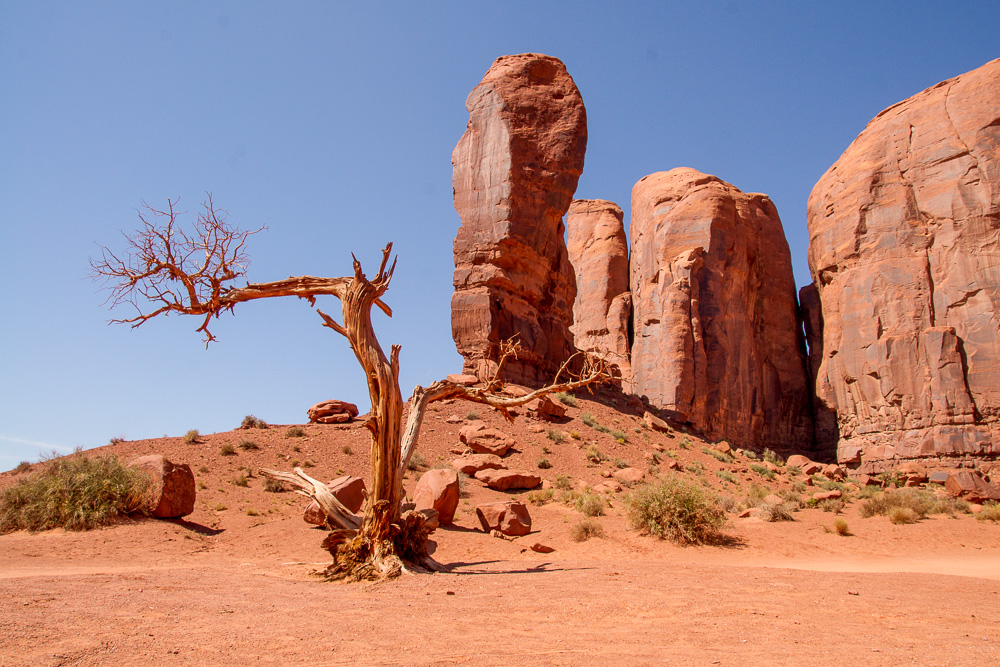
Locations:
{"points": [[598, 251], [904, 250], [515, 172], [714, 311]]}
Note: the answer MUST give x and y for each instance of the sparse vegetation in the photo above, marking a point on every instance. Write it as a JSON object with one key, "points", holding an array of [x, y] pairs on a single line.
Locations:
{"points": [[544, 464], [540, 496], [721, 457], [203, 469], [677, 510], [902, 515], [248, 445], [685, 443], [586, 529], [472, 415], [75, 493], [590, 504], [835, 505], [566, 398], [242, 480], [22, 467], [620, 463], [221, 507], [555, 436], [841, 528], [295, 432], [919, 502], [308, 464], [750, 454], [590, 421], [416, 462], [252, 512], [619, 436], [990, 512], [564, 482], [763, 471], [695, 467], [726, 476], [347, 450], [574, 435], [227, 450], [192, 437], [756, 494], [252, 422], [771, 457], [274, 485], [776, 511], [116, 440], [594, 455]]}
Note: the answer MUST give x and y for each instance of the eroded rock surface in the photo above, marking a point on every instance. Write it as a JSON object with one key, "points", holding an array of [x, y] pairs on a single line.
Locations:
{"points": [[904, 250], [714, 311], [173, 493], [598, 251], [515, 171]]}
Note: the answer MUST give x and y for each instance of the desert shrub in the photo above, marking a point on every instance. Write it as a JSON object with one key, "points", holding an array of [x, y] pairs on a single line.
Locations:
{"points": [[696, 467], [564, 482], [274, 485], [347, 450], [756, 494], [252, 422], [586, 529], [308, 464], [771, 457], [990, 512], [902, 515], [544, 464], [203, 469], [242, 480], [721, 457], [295, 432], [590, 504], [726, 476], [248, 445], [750, 454], [835, 505], [296, 449], [22, 468], [416, 461], [620, 463], [776, 511], [620, 436], [762, 470], [588, 419], [472, 415], [918, 501], [252, 512], [75, 493], [192, 436], [794, 470], [728, 503], [227, 450], [221, 507], [540, 496], [685, 443], [841, 527], [799, 487], [555, 436], [295, 463], [676, 509], [891, 478], [594, 455], [116, 440], [574, 435], [566, 399]]}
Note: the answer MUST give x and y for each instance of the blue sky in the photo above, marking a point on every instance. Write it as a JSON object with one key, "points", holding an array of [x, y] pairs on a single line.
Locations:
{"points": [[333, 124]]}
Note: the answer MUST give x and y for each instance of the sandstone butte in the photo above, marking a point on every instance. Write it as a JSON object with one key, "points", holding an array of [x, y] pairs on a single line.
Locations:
{"points": [[598, 251], [717, 338], [905, 257], [515, 171]]}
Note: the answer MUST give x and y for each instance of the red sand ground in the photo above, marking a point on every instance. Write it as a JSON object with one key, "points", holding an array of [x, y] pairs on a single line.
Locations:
{"points": [[225, 587]]}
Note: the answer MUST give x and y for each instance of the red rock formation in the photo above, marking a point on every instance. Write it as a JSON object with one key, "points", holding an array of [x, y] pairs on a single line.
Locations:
{"points": [[173, 493], [598, 251], [716, 330], [905, 254], [515, 171]]}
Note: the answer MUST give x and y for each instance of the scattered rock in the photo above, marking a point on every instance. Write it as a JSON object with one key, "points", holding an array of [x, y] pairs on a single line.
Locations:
{"points": [[470, 464], [536, 428], [541, 548], [798, 461], [332, 412], [826, 495], [173, 492], [938, 476], [508, 517], [544, 407], [483, 440], [438, 489], [723, 447], [351, 493], [971, 485], [464, 379], [507, 480], [655, 423], [629, 476], [515, 171], [715, 313], [834, 472], [453, 419]]}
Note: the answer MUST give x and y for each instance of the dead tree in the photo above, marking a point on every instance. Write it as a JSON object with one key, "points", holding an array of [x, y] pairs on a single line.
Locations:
{"points": [[192, 275]]}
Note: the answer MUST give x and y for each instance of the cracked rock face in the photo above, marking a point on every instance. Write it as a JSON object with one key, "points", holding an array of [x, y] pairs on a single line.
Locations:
{"points": [[598, 251], [515, 172], [714, 312], [904, 250]]}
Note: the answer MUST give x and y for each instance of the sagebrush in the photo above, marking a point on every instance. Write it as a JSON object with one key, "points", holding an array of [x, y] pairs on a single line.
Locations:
{"points": [[676, 509]]}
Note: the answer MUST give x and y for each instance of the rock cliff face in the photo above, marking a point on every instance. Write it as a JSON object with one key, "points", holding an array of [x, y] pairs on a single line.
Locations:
{"points": [[598, 251], [515, 172], [904, 249], [714, 311]]}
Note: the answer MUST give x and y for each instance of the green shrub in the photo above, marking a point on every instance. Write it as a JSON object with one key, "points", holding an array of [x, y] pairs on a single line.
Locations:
{"points": [[295, 432], [721, 457], [227, 450], [252, 422], [567, 399], [990, 512], [248, 445], [594, 455], [590, 504], [192, 436], [274, 485], [902, 515], [685, 443], [620, 436], [75, 493], [586, 529], [696, 467], [726, 476], [544, 464], [750, 454], [564, 482], [588, 419], [540, 496], [841, 527], [762, 470], [574, 435], [776, 511], [771, 457], [555, 436], [676, 509]]}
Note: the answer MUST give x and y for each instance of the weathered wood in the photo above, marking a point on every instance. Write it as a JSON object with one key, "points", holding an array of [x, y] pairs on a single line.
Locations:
{"points": [[337, 516]]}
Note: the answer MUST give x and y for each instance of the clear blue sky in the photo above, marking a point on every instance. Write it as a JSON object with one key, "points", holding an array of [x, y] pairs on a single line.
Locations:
{"points": [[333, 124]]}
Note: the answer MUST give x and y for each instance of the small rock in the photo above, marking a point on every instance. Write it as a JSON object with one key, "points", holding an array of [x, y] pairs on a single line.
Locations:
{"points": [[544, 407], [464, 379], [508, 517], [506, 480], [536, 428], [438, 489], [654, 422], [453, 419], [629, 476], [541, 548], [722, 447], [834, 472], [483, 440], [826, 495], [797, 461], [470, 464]]}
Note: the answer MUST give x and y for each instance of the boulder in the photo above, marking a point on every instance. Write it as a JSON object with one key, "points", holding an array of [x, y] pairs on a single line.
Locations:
{"points": [[723, 447], [508, 480], [797, 461], [470, 464], [904, 257], [971, 485], [332, 412], [717, 337], [826, 495], [598, 251], [173, 492], [438, 489], [464, 379], [349, 490], [655, 423], [509, 517], [629, 476], [515, 171], [544, 407], [834, 472], [483, 440]]}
